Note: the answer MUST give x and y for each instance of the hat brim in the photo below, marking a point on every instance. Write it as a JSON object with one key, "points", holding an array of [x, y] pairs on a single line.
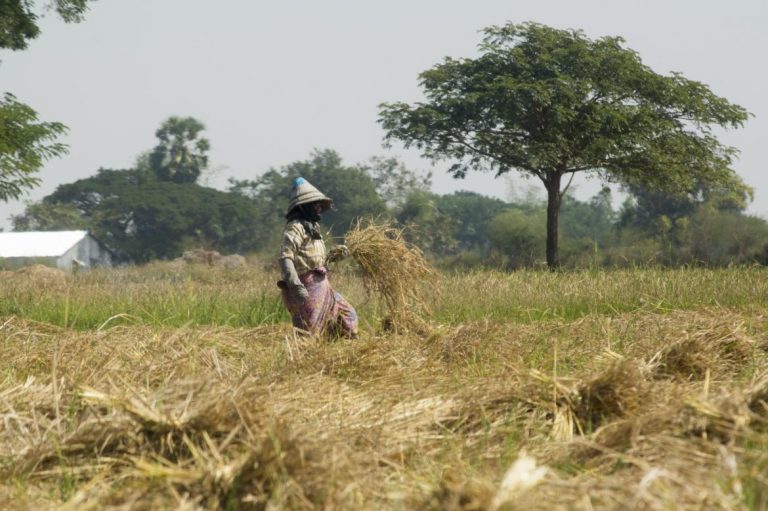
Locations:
{"points": [[327, 204]]}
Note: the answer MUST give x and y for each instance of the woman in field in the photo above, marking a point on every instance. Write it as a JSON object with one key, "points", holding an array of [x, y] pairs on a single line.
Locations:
{"points": [[307, 293]]}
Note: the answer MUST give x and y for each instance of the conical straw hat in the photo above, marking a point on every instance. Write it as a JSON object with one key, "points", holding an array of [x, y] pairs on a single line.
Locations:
{"points": [[303, 193]]}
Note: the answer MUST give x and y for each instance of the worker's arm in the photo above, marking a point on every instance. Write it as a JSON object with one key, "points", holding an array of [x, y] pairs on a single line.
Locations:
{"points": [[288, 271]]}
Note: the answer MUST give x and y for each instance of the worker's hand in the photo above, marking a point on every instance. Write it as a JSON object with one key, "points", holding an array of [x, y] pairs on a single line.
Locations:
{"points": [[338, 253], [300, 293]]}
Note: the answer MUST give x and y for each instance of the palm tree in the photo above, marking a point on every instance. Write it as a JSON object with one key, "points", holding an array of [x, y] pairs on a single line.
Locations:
{"points": [[180, 156]]}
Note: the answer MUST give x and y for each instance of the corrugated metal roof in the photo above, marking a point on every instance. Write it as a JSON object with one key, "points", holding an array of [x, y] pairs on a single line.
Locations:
{"points": [[38, 243]]}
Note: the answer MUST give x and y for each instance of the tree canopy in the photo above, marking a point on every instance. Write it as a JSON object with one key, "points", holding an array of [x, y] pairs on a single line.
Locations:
{"points": [[18, 19], [426, 225], [471, 213], [393, 181], [180, 156], [41, 216], [25, 144], [153, 212], [142, 218], [550, 103], [25, 141]]}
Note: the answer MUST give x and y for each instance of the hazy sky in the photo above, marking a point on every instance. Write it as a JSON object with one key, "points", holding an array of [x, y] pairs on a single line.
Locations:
{"points": [[273, 80]]}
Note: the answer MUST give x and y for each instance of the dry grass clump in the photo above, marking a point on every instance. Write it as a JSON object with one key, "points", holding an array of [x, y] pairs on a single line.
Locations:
{"points": [[713, 348], [728, 414], [39, 276], [457, 492], [209, 445], [618, 392], [577, 407], [209, 417], [164, 419], [396, 271], [479, 342], [757, 398]]}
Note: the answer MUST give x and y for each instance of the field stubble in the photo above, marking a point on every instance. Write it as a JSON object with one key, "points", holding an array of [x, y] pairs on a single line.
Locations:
{"points": [[166, 388]]}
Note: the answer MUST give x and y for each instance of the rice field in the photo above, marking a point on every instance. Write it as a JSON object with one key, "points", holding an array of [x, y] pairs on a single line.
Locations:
{"points": [[184, 387]]}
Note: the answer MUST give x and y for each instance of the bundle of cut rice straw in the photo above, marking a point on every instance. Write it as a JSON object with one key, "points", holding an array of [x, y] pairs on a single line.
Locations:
{"points": [[394, 270]]}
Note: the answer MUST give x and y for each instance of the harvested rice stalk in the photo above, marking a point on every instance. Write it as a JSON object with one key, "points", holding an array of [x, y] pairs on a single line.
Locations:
{"points": [[719, 349], [394, 270], [617, 392]]}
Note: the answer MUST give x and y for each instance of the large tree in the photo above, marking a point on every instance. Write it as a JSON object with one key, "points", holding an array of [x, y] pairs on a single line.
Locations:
{"points": [[550, 103], [42, 216], [180, 155], [142, 218], [25, 141]]}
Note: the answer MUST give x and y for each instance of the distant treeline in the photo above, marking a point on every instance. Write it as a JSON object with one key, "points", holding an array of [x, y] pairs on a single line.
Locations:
{"points": [[156, 210], [545, 102]]}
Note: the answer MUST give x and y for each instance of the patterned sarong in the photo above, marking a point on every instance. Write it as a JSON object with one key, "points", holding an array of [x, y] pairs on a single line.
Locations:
{"points": [[325, 311]]}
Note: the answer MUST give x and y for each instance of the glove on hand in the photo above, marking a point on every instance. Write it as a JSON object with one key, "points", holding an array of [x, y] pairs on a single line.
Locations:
{"points": [[301, 293], [291, 278], [338, 253]]}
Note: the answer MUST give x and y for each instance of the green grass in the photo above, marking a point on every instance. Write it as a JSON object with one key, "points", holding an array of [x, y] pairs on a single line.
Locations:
{"points": [[135, 296], [529, 296], [167, 296]]}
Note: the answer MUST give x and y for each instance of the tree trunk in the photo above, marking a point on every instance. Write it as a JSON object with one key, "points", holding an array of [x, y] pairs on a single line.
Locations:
{"points": [[552, 183]]}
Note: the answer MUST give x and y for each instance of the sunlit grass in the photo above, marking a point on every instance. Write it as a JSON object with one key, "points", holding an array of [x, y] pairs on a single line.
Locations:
{"points": [[526, 296], [175, 296], [159, 386]]}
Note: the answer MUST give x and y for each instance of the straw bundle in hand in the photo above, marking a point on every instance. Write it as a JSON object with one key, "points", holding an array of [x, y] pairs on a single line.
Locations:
{"points": [[395, 271]]}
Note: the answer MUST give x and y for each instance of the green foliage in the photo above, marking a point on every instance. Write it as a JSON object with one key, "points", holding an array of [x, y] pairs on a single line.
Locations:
{"points": [[720, 238], [647, 206], [180, 155], [17, 24], [593, 220], [707, 226], [471, 214], [550, 103], [71, 10], [351, 188], [25, 144], [394, 181], [429, 228], [155, 211], [42, 216], [519, 236], [142, 218], [18, 20], [588, 227]]}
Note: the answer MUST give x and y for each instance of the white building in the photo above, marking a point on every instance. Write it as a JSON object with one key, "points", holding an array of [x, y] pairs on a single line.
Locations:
{"points": [[60, 249]]}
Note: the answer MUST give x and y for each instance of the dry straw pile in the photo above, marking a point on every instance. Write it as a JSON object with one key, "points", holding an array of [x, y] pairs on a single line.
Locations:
{"points": [[640, 410], [395, 271], [214, 418]]}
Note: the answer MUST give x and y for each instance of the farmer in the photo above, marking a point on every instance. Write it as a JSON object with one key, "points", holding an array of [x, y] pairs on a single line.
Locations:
{"points": [[314, 305]]}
